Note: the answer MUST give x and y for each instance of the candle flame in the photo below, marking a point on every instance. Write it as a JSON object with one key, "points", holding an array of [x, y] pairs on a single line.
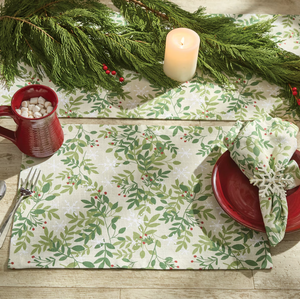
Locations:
{"points": [[182, 41]]}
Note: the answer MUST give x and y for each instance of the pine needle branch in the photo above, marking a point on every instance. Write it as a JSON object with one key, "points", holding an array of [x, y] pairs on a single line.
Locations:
{"points": [[225, 47], [70, 40]]}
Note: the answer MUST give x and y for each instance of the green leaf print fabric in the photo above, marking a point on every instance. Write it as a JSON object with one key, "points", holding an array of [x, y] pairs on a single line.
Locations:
{"points": [[262, 149], [132, 197]]}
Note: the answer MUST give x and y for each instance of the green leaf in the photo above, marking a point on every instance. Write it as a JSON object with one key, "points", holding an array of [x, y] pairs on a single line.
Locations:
{"points": [[251, 263], [110, 246], [256, 151], [78, 248], [39, 211], [238, 247], [88, 264], [164, 137], [49, 198], [122, 230], [202, 198], [46, 188], [184, 188], [197, 188], [146, 146]]}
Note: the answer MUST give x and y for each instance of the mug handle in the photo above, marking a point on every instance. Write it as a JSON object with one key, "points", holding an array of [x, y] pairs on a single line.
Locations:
{"points": [[6, 133]]}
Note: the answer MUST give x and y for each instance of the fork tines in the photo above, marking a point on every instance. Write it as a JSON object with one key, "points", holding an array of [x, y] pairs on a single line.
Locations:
{"points": [[30, 183]]}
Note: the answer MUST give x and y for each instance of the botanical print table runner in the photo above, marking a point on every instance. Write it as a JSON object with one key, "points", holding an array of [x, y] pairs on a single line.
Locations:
{"points": [[132, 197], [200, 98]]}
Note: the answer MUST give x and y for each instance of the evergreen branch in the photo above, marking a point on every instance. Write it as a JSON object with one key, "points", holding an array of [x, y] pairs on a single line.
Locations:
{"points": [[43, 7], [29, 23], [148, 9], [225, 48]]}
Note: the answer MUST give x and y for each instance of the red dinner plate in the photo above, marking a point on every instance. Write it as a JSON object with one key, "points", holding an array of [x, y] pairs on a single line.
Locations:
{"points": [[239, 199]]}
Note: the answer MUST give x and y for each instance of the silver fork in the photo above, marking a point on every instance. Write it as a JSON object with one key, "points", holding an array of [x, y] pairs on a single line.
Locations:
{"points": [[26, 189]]}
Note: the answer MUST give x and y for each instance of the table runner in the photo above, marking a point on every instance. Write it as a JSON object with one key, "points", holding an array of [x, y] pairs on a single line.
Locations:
{"points": [[131, 197], [199, 98]]}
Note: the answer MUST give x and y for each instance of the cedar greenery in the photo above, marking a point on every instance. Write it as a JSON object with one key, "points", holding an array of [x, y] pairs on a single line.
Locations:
{"points": [[69, 40]]}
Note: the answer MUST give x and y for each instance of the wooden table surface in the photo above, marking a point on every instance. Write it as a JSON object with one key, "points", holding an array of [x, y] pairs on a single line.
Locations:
{"points": [[283, 281]]}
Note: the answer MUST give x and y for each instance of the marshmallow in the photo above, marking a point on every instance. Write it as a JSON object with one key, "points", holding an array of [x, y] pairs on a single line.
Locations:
{"points": [[37, 115], [25, 103], [30, 107], [33, 100], [41, 100], [49, 109], [30, 116], [18, 111], [24, 114], [24, 109], [36, 109], [43, 111], [47, 103]]}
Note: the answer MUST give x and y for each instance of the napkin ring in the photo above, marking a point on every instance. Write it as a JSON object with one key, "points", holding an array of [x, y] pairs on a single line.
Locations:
{"points": [[271, 181]]}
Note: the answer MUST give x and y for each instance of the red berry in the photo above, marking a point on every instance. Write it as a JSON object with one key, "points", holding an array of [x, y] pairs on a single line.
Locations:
{"points": [[121, 79], [107, 72], [105, 67], [298, 102], [294, 89], [113, 72], [295, 93]]}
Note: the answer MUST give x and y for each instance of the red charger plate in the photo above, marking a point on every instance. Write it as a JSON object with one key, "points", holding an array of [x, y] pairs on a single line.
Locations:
{"points": [[239, 199]]}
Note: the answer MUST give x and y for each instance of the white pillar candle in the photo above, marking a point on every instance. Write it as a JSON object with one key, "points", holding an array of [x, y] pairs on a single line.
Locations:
{"points": [[182, 47]]}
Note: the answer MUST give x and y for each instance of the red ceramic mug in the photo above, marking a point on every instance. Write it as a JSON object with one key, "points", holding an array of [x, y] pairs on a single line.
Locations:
{"points": [[35, 137]]}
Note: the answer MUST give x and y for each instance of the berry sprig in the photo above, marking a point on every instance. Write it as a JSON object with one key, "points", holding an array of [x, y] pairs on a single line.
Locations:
{"points": [[107, 71], [295, 93]]}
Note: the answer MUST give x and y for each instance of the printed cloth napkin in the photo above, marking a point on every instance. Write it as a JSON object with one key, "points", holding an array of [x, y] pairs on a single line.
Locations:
{"points": [[262, 149]]}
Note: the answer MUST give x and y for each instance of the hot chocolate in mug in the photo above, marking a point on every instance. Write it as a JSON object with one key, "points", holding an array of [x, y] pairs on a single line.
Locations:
{"points": [[35, 137]]}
